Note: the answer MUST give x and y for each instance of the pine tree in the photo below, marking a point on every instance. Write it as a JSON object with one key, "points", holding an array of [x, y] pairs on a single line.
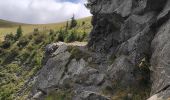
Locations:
{"points": [[19, 32], [67, 25], [73, 22]]}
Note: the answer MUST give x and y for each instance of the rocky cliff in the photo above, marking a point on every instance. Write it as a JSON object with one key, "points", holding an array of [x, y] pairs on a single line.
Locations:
{"points": [[127, 56]]}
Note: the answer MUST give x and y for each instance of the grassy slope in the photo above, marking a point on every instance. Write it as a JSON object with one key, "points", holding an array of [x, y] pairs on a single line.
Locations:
{"points": [[11, 27], [4, 23], [18, 63]]}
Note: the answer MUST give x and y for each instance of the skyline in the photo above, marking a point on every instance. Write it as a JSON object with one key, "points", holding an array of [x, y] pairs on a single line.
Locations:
{"points": [[42, 11]]}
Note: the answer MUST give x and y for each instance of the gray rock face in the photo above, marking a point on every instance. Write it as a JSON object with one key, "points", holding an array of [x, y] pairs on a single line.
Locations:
{"points": [[53, 71], [64, 72], [122, 71], [132, 30], [136, 33]]}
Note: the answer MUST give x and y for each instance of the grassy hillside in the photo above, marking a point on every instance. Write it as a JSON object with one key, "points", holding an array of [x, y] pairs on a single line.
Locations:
{"points": [[4, 23], [7, 27], [21, 57]]}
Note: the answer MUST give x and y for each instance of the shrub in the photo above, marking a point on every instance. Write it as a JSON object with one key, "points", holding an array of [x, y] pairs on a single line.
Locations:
{"points": [[30, 47], [9, 37], [30, 37], [73, 22], [77, 54], [13, 68], [39, 38], [23, 41], [61, 35], [51, 32], [70, 37], [83, 23], [18, 33], [11, 55], [1, 50], [6, 44], [83, 36], [36, 31], [24, 55]]}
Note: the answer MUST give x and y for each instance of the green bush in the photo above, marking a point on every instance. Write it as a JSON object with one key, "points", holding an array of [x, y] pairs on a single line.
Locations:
{"points": [[36, 31], [73, 22], [30, 37], [24, 55], [8, 40], [11, 55], [70, 37], [18, 33], [51, 32], [6, 44], [1, 50], [30, 47], [77, 54], [61, 35], [9, 37], [23, 41], [39, 38]]}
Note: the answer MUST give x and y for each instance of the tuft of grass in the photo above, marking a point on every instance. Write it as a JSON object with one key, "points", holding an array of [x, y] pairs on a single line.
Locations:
{"points": [[112, 59], [60, 95], [119, 92], [77, 54]]}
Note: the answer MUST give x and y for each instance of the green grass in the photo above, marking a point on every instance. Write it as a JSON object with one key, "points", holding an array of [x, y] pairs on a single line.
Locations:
{"points": [[7, 27], [60, 95]]}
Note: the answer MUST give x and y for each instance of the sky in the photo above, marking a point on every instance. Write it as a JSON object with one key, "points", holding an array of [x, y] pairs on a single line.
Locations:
{"points": [[42, 11]]}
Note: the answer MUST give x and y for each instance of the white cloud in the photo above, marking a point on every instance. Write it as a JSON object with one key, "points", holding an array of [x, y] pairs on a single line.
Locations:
{"points": [[41, 11]]}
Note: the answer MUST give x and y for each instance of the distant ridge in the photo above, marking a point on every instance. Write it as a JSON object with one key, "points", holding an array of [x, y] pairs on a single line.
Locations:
{"points": [[5, 23], [7, 27]]}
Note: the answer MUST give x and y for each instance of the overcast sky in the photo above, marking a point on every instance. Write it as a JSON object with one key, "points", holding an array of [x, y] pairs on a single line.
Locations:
{"points": [[42, 11]]}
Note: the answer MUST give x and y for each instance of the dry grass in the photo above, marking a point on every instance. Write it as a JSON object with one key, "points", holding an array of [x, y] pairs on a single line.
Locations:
{"points": [[11, 27]]}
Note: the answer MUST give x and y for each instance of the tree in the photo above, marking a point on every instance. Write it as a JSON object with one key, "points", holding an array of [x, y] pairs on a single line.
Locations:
{"points": [[73, 22], [19, 32], [67, 25], [83, 23]]}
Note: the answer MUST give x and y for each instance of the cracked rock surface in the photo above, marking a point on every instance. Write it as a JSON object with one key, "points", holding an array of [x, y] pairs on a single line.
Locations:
{"points": [[128, 49]]}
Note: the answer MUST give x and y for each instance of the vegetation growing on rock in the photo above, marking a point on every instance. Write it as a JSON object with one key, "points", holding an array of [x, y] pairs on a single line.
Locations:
{"points": [[60, 95], [21, 58]]}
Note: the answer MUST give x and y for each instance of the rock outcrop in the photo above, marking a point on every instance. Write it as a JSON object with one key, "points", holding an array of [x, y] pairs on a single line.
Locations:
{"points": [[64, 69], [136, 29], [128, 50]]}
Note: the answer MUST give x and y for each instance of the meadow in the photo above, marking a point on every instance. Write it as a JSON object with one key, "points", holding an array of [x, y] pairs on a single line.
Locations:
{"points": [[7, 27]]}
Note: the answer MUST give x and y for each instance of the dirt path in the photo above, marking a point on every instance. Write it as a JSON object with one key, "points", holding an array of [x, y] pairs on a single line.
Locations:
{"points": [[76, 43]]}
